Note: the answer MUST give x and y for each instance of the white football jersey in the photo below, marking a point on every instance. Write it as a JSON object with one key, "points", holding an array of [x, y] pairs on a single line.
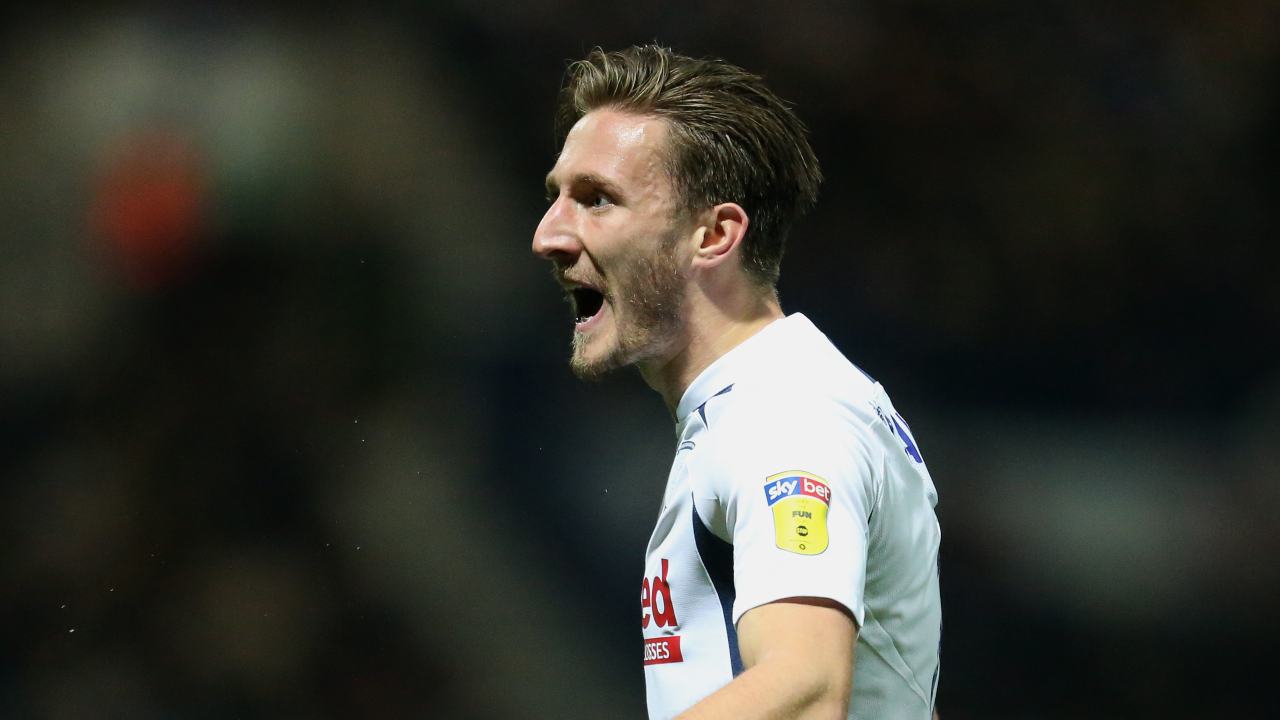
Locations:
{"points": [[793, 476]]}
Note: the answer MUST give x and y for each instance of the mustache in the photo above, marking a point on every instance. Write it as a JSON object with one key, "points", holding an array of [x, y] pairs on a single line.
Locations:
{"points": [[564, 280]]}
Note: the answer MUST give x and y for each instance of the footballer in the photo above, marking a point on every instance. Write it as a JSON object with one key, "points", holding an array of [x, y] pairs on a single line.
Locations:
{"points": [[792, 571]]}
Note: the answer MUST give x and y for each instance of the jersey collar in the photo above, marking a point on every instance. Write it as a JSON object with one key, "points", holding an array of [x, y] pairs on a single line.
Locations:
{"points": [[731, 366]]}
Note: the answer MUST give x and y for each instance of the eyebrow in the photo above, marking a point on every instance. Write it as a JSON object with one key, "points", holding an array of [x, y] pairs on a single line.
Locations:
{"points": [[587, 179]]}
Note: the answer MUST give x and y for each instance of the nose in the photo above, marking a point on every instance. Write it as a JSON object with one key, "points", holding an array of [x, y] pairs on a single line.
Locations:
{"points": [[555, 238]]}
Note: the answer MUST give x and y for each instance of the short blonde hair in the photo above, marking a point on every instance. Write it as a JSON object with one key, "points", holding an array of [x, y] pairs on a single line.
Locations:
{"points": [[732, 139]]}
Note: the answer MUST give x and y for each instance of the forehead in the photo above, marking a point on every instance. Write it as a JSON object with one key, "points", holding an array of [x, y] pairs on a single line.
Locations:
{"points": [[622, 147]]}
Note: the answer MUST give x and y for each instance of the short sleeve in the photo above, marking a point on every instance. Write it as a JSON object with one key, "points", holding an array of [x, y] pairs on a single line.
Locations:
{"points": [[796, 486]]}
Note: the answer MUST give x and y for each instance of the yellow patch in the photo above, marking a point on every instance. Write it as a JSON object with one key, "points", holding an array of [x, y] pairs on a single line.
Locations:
{"points": [[799, 501]]}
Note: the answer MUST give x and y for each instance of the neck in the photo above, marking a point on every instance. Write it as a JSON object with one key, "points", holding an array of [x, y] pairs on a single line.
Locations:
{"points": [[712, 331]]}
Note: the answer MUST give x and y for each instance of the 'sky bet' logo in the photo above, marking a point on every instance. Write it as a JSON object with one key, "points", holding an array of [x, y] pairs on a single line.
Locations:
{"points": [[799, 501]]}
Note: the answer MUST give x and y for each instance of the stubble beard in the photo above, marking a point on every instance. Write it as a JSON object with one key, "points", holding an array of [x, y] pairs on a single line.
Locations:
{"points": [[650, 323]]}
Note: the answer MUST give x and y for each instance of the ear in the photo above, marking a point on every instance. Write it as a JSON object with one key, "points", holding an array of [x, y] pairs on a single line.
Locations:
{"points": [[721, 235]]}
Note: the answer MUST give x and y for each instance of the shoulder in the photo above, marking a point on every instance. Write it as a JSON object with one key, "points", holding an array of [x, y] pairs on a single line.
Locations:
{"points": [[775, 425], [795, 398]]}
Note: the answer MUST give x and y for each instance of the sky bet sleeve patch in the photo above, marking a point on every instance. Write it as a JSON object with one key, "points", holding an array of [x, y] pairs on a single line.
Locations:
{"points": [[799, 501]]}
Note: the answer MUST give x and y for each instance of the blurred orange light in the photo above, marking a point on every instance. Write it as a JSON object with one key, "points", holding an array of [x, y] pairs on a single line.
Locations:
{"points": [[148, 206]]}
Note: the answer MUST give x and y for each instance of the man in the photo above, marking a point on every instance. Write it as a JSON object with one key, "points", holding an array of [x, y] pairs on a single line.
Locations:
{"points": [[793, 569]]}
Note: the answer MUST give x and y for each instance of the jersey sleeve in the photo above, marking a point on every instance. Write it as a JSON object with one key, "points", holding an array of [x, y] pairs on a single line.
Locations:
{"points": [[797, 487]]}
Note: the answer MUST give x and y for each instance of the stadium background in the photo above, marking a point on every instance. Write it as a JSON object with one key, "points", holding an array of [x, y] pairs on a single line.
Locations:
{"points": [[288, 430]]}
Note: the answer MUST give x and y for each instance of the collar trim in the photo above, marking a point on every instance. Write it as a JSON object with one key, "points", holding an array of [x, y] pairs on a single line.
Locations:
{"points": [[720, 376]]}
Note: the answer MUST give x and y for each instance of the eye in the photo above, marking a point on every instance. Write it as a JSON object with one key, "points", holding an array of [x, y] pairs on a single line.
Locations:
{"points": [[599, 200]]}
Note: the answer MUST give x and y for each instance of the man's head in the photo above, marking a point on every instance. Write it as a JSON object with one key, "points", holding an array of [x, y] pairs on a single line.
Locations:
{"points": [[657, 147], [730, 138]]}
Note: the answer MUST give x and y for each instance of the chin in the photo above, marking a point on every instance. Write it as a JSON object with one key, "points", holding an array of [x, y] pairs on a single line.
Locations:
{"points": [[592, 359], [591, 369]]}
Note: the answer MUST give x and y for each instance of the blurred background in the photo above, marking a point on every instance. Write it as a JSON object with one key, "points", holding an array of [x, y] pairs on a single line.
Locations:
{"points": [[288, 430]]}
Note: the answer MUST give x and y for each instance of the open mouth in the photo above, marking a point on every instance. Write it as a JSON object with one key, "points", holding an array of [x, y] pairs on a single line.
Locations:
{"points": [[587, 303]]}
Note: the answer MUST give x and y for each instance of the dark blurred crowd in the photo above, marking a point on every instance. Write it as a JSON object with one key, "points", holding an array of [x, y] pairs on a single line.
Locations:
{"points": [[289, 432]]}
